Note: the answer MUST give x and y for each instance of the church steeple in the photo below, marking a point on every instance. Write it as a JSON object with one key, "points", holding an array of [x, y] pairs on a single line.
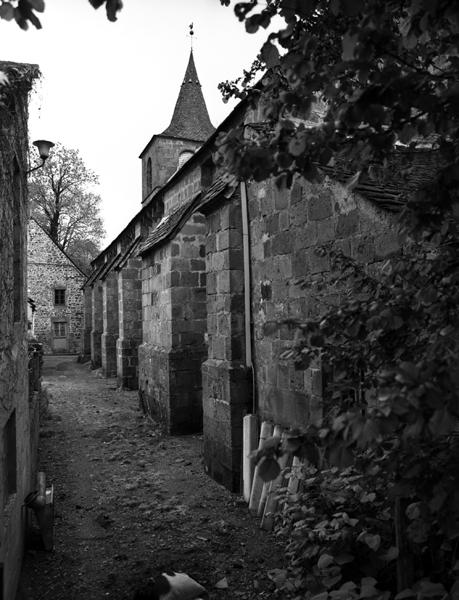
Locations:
{"points": [[190, 119]]}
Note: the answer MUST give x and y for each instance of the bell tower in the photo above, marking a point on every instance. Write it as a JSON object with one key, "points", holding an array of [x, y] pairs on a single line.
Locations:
{"points": [[189, 128]]}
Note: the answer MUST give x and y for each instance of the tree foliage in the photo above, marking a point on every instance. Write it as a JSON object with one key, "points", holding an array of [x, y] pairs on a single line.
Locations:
{"points": [[24, 11], [378, 514], [385, 71], [63, 203]]}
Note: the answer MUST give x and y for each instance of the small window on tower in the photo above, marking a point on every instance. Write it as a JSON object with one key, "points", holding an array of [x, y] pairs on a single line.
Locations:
{"points": [[149, 176], [60, 329], [184, 156], [59, 297]]}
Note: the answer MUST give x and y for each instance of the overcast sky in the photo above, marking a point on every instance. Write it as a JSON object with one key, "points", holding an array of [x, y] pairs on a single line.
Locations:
{"points": [[108, 87]]}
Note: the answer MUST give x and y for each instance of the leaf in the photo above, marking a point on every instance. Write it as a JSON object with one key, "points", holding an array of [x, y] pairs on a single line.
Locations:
{"points": [[271, 443], [297, 145], [430, 589], [349, 43], [441, 422], [325, 561], [270, 54], [112, 7], [7, 11], [373, 541], [391, 554], [322, 596], [222, 584], [38, 5], [292, 444], [344, 558], [3, 78], [278, 576], [341, 457], [268, 469], [404, 594]]}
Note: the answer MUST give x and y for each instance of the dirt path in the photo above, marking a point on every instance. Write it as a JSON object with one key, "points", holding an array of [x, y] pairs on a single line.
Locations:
{"points": [[130, 503]]}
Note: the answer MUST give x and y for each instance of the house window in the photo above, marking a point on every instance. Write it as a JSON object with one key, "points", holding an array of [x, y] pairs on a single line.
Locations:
{"points": [[60, 329], [9, 453], [59, 297]]}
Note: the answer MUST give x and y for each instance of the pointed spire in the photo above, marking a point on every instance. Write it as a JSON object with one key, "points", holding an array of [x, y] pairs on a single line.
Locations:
{"points": [[190, 119]]}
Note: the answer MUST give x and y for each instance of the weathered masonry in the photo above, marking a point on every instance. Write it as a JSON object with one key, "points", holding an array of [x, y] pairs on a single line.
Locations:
{"points": [[55, 284], [218, 259], [18, 404]]}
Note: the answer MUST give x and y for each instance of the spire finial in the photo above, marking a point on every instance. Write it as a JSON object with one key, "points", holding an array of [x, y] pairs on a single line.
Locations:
{"points": [[191, 35]]}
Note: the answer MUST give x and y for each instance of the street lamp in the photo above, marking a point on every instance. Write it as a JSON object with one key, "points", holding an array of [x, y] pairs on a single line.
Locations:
{"points": [[43, 146]]}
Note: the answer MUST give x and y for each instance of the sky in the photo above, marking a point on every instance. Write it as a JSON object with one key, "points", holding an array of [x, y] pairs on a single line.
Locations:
{"points": [[106, 88]]}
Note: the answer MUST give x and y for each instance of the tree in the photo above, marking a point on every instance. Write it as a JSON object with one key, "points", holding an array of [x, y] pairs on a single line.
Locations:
{"points": [[64, 205], [23, 11], [380, 512]]}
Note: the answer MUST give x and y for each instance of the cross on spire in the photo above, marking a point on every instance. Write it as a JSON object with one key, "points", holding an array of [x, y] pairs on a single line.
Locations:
{"points": [[191, 34]]}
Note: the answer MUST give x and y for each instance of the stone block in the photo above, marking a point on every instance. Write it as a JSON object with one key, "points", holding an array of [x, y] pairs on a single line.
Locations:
{"points": [[386, 244], [326, 230], [281, 198], [319, 207], [281, 243], [190, 279], [198, 265], [348, 224], [300, 263]]}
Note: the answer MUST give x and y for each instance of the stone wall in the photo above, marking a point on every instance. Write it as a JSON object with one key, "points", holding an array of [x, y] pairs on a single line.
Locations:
{"points": [[97, 324], [49, 268], [17, 475], [130, 323], [226, 379], [110, 324], [174, 323], [87, 324], [288, 229], [188, 186]]}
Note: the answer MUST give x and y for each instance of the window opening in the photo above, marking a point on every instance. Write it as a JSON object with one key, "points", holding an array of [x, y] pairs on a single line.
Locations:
{"points": [[9, 441], [59, 297], [149, 176], [184, 156], [59, 329]]}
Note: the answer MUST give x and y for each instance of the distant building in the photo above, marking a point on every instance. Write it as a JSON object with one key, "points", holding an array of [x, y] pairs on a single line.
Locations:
{"points": [[55, 284]]}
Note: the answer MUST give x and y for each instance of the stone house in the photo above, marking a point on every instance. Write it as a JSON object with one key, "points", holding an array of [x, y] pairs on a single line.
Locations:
{"points": [[18, 400], [205, 264], [55, 284]]}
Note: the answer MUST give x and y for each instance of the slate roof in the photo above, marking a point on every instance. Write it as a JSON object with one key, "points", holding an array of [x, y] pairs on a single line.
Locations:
{"points": [[95, 274], [108, 266], [169, 224], [190, 119], [130, 251], [408, 171]]}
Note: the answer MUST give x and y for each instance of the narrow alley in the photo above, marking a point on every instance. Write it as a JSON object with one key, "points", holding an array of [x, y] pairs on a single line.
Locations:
{"points": [[130, 502]]}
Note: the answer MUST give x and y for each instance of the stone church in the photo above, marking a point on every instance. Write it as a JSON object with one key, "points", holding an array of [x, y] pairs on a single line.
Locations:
{"points": [[55, 285], [177, 304]]}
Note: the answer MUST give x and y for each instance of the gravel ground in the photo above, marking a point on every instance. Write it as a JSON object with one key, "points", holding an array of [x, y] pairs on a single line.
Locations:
{"points": [[130, 502]]}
